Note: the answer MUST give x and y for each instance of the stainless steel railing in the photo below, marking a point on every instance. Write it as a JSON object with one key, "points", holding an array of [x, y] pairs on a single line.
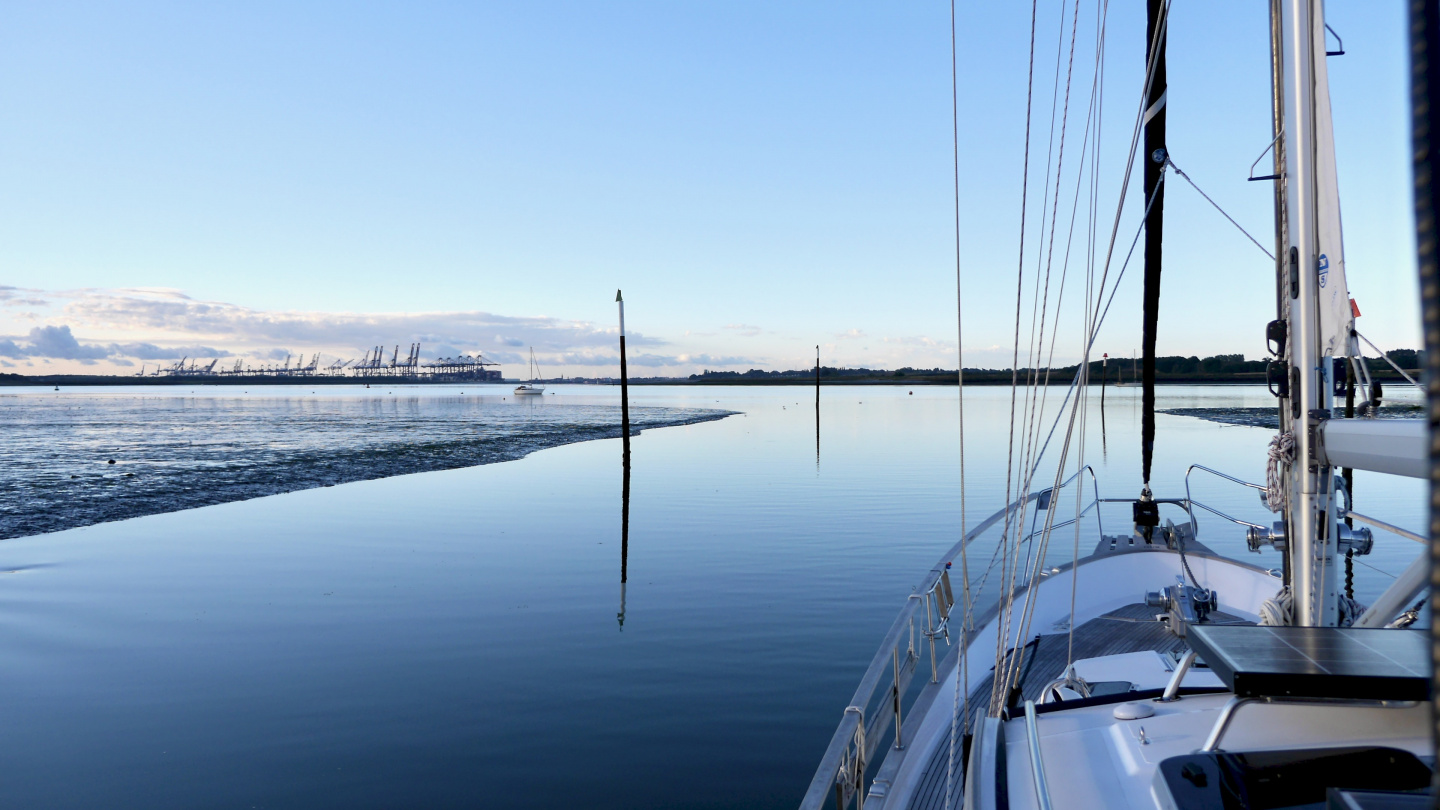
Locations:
{"points": [[1194, 526], [924, 618], [1037, 765]]}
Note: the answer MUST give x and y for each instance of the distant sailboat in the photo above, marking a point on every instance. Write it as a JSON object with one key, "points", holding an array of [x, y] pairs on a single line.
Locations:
{"points": [[1134, 375], [531, 389]]}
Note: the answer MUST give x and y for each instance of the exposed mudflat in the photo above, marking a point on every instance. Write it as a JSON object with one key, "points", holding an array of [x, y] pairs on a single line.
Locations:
{"points": [[173, 452], [1268, 417]]}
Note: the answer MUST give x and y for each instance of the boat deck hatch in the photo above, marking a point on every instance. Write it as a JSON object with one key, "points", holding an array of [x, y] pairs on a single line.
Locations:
{"points": [[1273, 780], [1317, 662]]}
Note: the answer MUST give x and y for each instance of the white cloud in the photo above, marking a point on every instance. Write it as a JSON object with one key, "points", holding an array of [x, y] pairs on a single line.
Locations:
{"points": [[743, 329]]}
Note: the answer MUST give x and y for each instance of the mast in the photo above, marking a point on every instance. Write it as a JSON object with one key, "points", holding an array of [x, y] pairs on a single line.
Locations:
{"points": [[1275, 333], [1154, 156], [1309, 503], [1425, 101]]}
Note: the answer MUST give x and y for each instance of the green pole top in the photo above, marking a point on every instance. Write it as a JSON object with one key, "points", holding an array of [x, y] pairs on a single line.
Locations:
{"points": [[617, 296]]}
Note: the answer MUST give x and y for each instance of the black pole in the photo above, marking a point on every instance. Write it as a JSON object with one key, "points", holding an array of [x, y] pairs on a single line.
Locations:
{"points": [[1154, 157], [624, 384], [1424, 102], [624, 400], [624, 463], [1348, 475], [1104, 372], [817, 406]]}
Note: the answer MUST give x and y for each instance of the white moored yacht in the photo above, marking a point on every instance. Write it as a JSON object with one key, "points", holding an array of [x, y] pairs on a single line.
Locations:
{"points": [[531, 388], [1147, 670]]}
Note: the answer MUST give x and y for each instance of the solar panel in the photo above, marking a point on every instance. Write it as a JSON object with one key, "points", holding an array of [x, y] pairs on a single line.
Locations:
{"points": [[1342, 662]]}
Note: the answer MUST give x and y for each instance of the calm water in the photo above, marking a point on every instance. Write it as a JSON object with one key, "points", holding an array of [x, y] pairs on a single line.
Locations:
{"points": [[452, 638]]}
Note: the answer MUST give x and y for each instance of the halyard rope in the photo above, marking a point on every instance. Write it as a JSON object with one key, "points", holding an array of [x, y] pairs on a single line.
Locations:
{"points": [[1281, 452]]}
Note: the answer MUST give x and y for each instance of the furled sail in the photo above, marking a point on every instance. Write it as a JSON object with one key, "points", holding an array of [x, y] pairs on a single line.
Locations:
{"points": [[1336, 318]]}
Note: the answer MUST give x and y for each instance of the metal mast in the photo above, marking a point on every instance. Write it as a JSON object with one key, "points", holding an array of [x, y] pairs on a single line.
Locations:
{"points": [[1279, 371], [1425, 101], [1309, 505]]}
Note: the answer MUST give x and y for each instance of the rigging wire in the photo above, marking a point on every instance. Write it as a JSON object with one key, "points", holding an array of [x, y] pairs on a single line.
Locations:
{"points": [[1098, 311], [1386, 358], [1015, 361], [1109, 254], [1014, 667], [1080, 462], [1035, 389], [1040, 389], [1237, 225], [962, 663], [1039, 392]]}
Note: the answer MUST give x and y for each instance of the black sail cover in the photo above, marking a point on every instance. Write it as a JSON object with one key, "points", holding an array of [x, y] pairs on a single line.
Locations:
{"points": [[1154, 157]]}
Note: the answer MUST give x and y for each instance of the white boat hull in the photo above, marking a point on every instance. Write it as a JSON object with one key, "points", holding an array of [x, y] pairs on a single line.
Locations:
{"points": [[1105, 582]]}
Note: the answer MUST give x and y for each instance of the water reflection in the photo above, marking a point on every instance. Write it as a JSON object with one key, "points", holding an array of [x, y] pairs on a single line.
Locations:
{"points": [[624, 527], [1104, 449], [359, 644]]}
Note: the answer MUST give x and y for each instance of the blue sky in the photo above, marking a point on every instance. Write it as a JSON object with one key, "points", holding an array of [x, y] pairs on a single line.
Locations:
{"points": [[250, 180]]}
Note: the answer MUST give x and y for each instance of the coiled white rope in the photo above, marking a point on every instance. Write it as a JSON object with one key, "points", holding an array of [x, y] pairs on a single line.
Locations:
{"points": [[1279, 610], [1282, 451]]}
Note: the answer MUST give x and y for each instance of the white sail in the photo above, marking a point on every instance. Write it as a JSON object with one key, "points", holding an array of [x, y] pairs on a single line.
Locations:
{"points": [[1336, 316]]}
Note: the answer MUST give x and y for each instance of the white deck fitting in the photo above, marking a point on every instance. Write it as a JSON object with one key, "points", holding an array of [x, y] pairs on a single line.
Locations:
{"points": [[1241, 588], [1102, 763]]}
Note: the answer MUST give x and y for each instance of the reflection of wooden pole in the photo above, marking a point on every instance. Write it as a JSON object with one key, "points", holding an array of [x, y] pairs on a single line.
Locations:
{"points": [[624, 535]]}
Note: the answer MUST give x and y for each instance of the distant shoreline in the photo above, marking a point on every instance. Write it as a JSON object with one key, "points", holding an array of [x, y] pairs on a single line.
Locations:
{"points": [[972, 377]]}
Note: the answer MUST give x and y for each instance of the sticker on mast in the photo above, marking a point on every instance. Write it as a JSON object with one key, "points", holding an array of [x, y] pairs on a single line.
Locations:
{"points": [[1324, 269]]}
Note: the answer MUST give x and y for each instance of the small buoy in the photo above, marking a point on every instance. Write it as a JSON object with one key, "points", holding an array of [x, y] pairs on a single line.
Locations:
{"points": [[912, 393], [111, 461]]}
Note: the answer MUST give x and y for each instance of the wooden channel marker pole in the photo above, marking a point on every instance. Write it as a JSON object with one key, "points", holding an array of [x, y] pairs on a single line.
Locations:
{"points": [[817, 406], [625, 465], [624, 383], [1104, 372]]}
